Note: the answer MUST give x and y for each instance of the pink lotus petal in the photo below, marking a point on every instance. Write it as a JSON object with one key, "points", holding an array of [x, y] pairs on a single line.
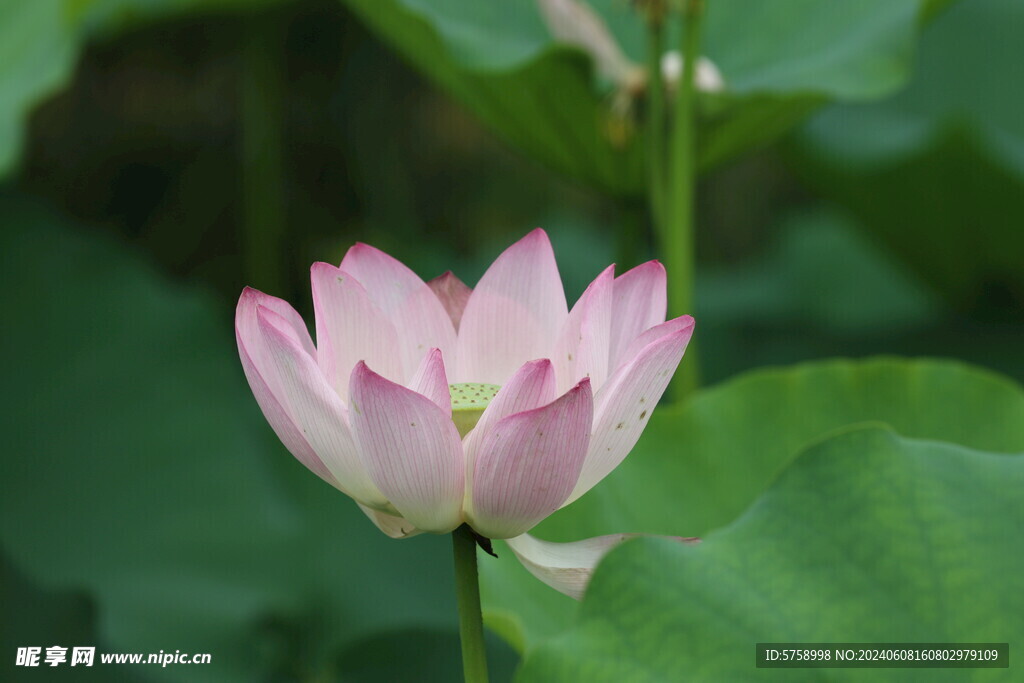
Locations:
{"points": [[245, 316], [395, 527], [638, 304], [567, 567], [314, 407], [388, 344], [350, 328], [532, 386], [411, 449], [453, 294], [627, 400], [260, 370], [582, 347], [528, 464], [648, 337], [430, 380], [514, 314], [420, 319]]}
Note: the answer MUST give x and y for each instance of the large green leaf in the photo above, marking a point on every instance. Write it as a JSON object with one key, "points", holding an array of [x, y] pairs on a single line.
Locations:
{"points": [[544, 97], [867, 537], [937, 172], [700, 464], [138, 472], [37, 51]]}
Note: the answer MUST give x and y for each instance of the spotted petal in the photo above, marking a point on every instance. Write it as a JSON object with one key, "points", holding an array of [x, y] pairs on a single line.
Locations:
{"points": [[582, 347], [626, 401], [532, 386], [528, 464], [431, 381]]}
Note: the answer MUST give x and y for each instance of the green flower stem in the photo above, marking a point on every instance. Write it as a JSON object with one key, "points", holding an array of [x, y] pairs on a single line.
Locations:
{"points": [[656, 119], [677, 235], [262, 175], [467, 592]]}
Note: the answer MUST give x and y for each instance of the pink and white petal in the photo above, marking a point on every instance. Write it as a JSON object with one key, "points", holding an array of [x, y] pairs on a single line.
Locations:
{"points": [[411, 449], [567, 567], [683, 323], [528, 463], [393, 526], [532, 386], [626, 402], [453, 295], [431, 381], [514, 314], [583, 343], [419, 317], [261, 372], [638, 304], [315, 408], [350, 328], [245, 318]]}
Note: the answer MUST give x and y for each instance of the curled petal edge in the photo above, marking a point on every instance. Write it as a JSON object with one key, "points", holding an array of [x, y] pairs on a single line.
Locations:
{"points": [[392, 525], [567, 567]]}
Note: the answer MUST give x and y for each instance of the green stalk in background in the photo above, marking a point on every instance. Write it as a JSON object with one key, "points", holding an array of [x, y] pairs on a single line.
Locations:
{"points": [[467, 592], [656, 115], [676, 234], [263, 202]]}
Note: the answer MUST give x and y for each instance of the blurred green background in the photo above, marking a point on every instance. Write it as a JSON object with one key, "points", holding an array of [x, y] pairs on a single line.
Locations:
{"points": [[858, 197]]}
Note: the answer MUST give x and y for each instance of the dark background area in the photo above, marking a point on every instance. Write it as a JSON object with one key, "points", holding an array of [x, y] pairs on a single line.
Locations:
{"points": [[147, 145]]}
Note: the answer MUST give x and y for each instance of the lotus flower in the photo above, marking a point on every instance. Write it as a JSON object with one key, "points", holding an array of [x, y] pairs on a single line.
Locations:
{"points": [[432, 405]]}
